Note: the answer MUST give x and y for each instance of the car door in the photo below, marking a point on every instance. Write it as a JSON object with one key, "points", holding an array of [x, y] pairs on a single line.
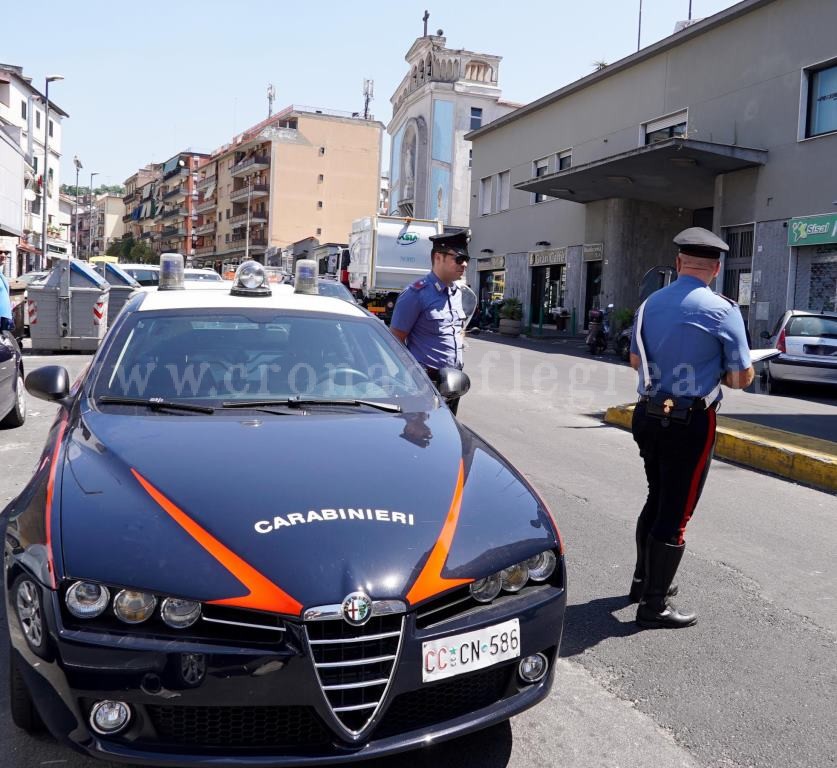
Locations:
{"points": [[8, 372]]}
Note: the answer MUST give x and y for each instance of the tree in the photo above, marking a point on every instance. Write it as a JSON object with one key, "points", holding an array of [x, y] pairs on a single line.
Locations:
{"points": [[114, 249], [142, 253]]}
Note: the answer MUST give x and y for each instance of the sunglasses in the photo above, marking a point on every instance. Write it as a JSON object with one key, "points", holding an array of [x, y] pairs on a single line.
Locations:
{"points": [[459, 258]]}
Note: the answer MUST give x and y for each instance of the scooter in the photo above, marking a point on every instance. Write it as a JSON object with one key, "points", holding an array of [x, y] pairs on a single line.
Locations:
{"points": [[598, 332]]}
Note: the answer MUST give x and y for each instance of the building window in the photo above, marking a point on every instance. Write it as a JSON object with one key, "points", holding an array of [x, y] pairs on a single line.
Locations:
{"points": [[822, 101], [565, 160], [37, 119], [319, 230], [23, 109], [50, 128], [319, 203], [220, 216], [664, 128], [470, 157], [320, 178], [541, 169], [476, 118], [228, 213], [322, 151], [485, 196], [502, 188]]}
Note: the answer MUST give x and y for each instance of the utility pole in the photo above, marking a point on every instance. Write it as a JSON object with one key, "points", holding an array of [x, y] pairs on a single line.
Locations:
{"points": [[271, 95], [78, 165], [690, 10], [90, 217]]}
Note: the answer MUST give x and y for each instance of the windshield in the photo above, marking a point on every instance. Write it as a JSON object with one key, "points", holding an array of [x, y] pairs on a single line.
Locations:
{"points": [[207, 276], [816, 325], [144, 277], [220, 356], [335, 290]]}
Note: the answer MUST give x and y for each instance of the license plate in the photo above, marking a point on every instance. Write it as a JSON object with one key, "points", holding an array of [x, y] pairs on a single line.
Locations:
{"points": [[458, 654], [820, 349]]}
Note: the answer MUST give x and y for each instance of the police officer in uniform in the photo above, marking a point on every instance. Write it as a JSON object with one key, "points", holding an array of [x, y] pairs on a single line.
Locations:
{"points": [[428, 316], [687, 341]]}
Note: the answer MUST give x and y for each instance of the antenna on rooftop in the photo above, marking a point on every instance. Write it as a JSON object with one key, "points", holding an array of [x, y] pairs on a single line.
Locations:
{"points": [[271, 96], [368, 95]]}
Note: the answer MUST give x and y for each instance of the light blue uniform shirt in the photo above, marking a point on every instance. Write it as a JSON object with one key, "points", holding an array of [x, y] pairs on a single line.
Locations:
{"points": [[5, 299], [692, 337], [431, 315]]}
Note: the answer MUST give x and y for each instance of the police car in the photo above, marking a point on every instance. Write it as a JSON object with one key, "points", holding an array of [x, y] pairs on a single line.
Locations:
{"points": [[257, 535]]}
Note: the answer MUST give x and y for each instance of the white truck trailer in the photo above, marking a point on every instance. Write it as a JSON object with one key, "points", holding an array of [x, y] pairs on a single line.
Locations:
{"points": [[386, 254]]}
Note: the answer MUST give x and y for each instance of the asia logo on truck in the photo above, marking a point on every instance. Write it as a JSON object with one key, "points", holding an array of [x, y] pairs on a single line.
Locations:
{"points": [[407, 238]]}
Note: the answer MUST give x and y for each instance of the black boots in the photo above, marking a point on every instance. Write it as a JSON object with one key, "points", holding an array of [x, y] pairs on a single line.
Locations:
{"points": [[655, 610], [638, 582]]}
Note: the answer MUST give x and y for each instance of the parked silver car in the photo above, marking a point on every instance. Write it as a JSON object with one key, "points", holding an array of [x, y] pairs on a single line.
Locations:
{"points": [[808, 345]]}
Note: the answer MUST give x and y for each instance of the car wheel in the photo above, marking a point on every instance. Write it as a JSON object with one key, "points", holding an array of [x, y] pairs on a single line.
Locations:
{"points": [[17, 415], [26, 599], [773, 387], [24, 714]]}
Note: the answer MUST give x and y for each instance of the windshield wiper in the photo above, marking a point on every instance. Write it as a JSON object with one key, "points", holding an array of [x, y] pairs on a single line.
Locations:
{"points": [[298, 402], [156, 404]]}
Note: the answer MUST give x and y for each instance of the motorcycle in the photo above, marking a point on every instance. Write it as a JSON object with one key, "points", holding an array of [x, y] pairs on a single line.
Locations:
{"points": [[598, 332]]}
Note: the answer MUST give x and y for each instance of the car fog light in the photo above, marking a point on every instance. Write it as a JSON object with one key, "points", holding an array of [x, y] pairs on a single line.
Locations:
{"points": [[109, 717], [485, 590], [180, 614], [514, 577], [134, 607], [533, 668], [86, 600], [542, 565]]}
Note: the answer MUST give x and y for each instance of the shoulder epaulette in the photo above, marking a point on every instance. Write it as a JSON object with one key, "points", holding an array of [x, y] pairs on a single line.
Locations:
{"points": [[419, 284]]}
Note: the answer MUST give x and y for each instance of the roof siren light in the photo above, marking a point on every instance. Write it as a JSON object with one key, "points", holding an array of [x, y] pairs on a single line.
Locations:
{"points": [[171, 272], [250, 280], [306, 277]]}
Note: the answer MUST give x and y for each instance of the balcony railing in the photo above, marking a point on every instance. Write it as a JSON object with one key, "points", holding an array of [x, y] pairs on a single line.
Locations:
{"points": [[172, 212], [250, 165], [175, 193], [206, 250], [255, 242], [127, 199], [256, 191], [204, 229], [205, 205], [204, 183], [256, 217]]}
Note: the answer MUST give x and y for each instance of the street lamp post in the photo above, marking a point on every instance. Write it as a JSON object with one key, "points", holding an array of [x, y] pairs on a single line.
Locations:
{"points": [[90, 218], [247, 231], [45, 197], [78, 166]]}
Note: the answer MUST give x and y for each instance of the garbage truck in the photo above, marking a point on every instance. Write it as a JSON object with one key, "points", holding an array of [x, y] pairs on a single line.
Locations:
{"points": [[386, 254]]}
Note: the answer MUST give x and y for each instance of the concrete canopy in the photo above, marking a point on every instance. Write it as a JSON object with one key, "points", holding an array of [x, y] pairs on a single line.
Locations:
{"points": [[676, 173]]}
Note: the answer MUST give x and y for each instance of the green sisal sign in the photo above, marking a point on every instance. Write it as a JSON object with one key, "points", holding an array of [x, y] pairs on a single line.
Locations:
{"points": [[813, 230]]}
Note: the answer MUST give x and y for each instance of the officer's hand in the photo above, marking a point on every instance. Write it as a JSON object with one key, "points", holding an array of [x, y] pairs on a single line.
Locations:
{"points": [[739, 379]]}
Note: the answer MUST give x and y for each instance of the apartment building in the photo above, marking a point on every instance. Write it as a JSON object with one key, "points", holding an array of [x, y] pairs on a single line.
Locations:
{"points": [[729, 124], [23, 117], [175, 195], [304, 172], [132, 198]]}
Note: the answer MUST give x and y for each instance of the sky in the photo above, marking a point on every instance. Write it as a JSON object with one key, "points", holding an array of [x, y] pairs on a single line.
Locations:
{"points": [[144, 81]]}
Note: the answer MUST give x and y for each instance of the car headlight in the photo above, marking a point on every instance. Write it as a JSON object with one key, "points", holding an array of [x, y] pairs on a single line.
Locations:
{"points": [[537, 568], [86, 600], [178, 613], [134, 607], [485, 590], [542, 565]]}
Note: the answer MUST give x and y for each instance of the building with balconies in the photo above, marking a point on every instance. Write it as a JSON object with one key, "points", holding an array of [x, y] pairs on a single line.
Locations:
{"points": [[22, 115], [176, 195], [303, 172]]}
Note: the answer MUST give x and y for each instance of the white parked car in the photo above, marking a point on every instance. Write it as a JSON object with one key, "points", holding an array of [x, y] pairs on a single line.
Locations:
{"points": [[808, 345]]}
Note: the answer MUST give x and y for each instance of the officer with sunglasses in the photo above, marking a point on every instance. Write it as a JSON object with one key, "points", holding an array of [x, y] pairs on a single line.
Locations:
{"points": [[428, 316]]}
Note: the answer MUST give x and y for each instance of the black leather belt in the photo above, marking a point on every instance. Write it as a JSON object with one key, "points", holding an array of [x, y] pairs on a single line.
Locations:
{"points": [[697, 404]]}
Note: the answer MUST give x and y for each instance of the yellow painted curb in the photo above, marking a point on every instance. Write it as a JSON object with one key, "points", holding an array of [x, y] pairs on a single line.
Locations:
{"points": [[802, 459]]}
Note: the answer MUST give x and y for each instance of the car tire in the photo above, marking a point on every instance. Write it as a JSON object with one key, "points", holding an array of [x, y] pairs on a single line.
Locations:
{"points": [[772, 386], [17, 415], [24, 713]]}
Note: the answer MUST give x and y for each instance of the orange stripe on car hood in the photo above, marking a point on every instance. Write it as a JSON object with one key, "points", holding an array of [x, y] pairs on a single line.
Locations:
{"points": [[430, 581], [262, 594], [50, 497]]}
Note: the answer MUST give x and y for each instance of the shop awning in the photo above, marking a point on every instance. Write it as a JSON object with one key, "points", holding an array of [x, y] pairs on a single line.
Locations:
{"points": [[27, 248], [675, 172]]}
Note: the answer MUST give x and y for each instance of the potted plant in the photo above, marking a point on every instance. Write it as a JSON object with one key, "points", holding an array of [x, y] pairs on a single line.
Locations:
{"points": [[511, 317]]}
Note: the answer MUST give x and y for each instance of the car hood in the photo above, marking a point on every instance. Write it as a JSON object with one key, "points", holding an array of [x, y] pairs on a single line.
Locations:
{"points": [[288, 512]]}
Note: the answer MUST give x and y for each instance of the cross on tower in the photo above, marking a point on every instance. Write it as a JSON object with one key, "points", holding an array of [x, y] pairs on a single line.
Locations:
{"points": [[424, 19]]}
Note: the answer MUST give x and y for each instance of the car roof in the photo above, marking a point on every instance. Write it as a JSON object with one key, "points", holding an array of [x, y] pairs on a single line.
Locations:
{"points": [[282, 297], [812, 313]]}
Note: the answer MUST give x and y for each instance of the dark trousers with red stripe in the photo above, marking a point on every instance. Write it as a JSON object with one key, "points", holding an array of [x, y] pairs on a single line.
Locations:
{"points": [[677, 459]]}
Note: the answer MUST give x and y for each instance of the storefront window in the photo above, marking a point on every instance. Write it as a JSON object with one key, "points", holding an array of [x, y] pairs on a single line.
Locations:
{"points": [[822, 101]]}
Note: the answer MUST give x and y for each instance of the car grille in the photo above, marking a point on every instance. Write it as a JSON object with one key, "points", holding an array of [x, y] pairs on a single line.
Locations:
{"points": [[238, 726], [354, 665], [445, 701]]}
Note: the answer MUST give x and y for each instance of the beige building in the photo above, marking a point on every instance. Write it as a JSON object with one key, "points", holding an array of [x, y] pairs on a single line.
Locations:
{"points": [[108, 214], [133, 198], [301, 173]]}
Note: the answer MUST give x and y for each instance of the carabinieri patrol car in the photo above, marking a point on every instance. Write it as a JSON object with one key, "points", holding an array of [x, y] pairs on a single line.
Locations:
{"points": [[257, 535]]}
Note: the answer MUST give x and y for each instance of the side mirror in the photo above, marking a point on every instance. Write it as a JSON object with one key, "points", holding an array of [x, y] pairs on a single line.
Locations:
{"points": [[453, 383], [50, 383], [765, 335]]}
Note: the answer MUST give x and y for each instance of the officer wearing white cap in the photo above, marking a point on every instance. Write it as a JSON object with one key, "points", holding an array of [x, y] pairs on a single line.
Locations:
{"points": [[428, 316], [687, 341]]}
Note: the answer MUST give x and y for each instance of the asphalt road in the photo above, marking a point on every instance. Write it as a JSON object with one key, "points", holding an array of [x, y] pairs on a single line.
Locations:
{"points": [[751, 685]]}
